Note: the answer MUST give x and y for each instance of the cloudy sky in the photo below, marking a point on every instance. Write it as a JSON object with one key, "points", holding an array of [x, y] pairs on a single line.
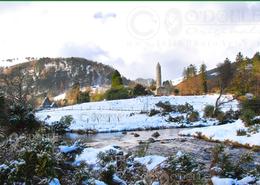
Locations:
{"points": [[131, 36]]}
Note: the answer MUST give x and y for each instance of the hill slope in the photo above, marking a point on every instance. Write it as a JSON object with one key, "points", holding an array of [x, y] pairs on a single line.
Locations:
{"points": [[56, 75]]}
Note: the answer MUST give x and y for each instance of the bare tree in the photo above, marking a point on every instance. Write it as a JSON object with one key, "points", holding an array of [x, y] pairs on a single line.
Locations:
{"points": [[17, 86], [225, 74]]}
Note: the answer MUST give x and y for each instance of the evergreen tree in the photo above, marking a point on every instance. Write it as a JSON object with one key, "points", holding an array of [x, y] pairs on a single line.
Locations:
{"points": [[117, 81], [242, 81], [225, 73], [256, 73], [190, 71], [203, 76]]}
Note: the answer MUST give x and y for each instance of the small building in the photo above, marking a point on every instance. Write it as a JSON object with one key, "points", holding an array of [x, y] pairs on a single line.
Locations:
{"points": [[46, 104]]}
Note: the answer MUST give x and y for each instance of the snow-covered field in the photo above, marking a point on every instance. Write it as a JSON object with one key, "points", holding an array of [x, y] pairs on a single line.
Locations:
{"points": [[126, 114], [226, 132]]}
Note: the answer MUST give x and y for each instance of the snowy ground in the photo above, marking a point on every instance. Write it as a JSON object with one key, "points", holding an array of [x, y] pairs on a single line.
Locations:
{"points": [[121, 115], [226, 132], [228, 181]]}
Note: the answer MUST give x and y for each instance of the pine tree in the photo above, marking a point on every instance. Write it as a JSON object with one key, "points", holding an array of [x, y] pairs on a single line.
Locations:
{"points": [[256, 73], [225, 73], [203, 76], [190, 71]]}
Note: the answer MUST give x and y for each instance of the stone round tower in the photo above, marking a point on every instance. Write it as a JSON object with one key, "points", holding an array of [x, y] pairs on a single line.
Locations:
{"points": [[158, 76]]}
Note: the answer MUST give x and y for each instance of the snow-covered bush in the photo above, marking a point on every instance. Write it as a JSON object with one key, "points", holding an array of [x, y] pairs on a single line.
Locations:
{"points": [[62, 125], [223, 165], [177, 119], [182, 168], [153, 112], [107, 174], [193, 116], [182, 163], [186, 108], [165, 106], [34, 162], [21, 118]]}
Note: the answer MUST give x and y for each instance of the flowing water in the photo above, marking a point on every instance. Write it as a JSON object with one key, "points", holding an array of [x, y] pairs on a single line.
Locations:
{"points": [[167, 144]]}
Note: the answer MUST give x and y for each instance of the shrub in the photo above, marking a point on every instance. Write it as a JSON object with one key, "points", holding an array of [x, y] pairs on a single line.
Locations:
{"points": [[256, 121], [62, 125], [182, 164], [142, 149], [177, 119], [193, 116], [139, 90], [209, 111], [241, 132], [176, 92], [222, 165], [83, 97], [166, 106], [253, 104], [220, 116], [117, 93], [186, 108], [35, 161], [21, 118], [107, 175], [232, 115], [247, 116], [97, 97], [153, 112]]}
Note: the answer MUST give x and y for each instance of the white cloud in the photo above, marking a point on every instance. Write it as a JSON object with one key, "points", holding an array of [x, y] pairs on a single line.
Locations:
{"points": [[131, 36]]}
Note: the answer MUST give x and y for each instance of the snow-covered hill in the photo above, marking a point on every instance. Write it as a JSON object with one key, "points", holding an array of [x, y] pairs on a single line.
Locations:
{"points": [[176, 81], [127, 114], [13, 61]]}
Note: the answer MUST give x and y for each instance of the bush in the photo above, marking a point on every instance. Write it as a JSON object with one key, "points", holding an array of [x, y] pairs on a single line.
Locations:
{"points": [[253, 104], [107, 175], [153, 112], [97, 97], [177, 119], [62, 125], [83, 97], [35, 162], [220, 116], [139, 90], [232, 115], [176, 92], [241, 132], [193, 116], [166, 106], [209, 111], [20, 119], [222, 164], [117, 93], [186, 108], [247, 116], [183, 164]]}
